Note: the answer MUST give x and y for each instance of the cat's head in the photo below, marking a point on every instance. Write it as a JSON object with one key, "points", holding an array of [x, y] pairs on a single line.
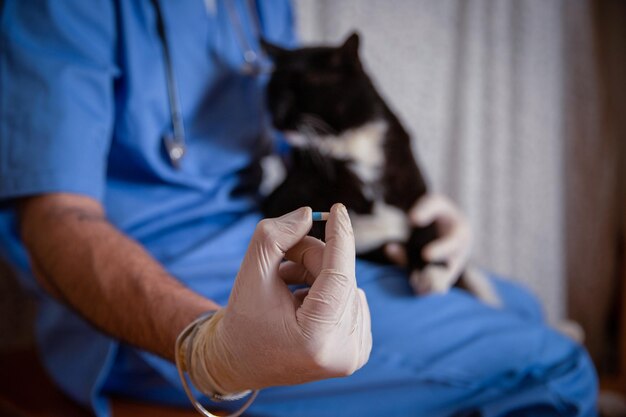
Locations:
{"points": [[320, 89]]}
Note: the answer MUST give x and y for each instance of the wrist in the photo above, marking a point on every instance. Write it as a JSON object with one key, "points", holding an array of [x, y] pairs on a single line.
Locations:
{"points": [[189, 346], [209, 359], [221, 363]]}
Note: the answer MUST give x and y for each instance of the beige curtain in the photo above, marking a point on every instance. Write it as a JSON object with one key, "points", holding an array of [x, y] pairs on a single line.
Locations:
{"points": [[503, 100]]}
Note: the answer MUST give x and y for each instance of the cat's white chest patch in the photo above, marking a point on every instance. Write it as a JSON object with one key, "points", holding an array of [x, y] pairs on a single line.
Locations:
{"points": [[361, 146]]}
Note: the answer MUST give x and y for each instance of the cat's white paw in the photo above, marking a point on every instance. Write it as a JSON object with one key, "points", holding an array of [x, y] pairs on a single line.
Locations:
{"points": [[432, 279], [478, 284], [436, 279], [571, 329]]}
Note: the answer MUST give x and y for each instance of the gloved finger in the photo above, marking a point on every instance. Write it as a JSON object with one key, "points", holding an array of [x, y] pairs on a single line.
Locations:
{"points": [[309, 252], [339, 253], [446, 246], [294, 274], [366, 330], [333, 288], [271, 239], [430, 208], [396, 253]]}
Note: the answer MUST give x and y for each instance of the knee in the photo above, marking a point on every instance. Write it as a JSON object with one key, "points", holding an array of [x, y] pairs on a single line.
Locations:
{"points": [[564, 385], [579, 387], [572, 385]]}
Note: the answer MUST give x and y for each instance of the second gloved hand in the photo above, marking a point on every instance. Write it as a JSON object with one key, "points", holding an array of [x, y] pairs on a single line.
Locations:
{"points": [[451, 247], [268, 335]]}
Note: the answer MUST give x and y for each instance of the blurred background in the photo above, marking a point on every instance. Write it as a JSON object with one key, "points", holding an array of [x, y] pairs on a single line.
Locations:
{"points": [[518, 111]]}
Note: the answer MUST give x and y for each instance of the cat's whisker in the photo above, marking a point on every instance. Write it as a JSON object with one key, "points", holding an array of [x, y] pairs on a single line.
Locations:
{"points": [[318, 123]]}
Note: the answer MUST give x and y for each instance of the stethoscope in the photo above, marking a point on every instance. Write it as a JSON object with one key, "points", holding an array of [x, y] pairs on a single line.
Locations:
{"points": [[254, 64]]}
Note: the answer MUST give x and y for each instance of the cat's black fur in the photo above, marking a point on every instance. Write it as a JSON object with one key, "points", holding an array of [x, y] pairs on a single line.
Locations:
{"points": [[325, 91]]}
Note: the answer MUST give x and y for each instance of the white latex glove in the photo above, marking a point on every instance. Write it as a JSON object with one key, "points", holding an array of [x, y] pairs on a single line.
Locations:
{"points": [[269, 336], [452, 246]]}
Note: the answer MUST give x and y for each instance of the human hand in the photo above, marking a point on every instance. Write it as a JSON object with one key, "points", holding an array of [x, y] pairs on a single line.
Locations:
{"points": [[268, 335], [452, 247]]}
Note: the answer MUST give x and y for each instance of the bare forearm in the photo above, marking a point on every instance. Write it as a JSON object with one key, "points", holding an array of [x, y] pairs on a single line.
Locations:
{"points": [[107, 277]]}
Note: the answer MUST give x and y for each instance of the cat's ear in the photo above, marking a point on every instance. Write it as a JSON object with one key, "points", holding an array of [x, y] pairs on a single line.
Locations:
{"points": [[350, 46], [350, 52], [272, 50]]}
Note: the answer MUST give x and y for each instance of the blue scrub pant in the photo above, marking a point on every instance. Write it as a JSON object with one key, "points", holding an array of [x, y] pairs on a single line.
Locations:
{"points": [[439, 355]]}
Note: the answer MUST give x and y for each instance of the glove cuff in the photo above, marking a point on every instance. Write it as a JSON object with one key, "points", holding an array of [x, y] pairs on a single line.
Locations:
{"points": [[185, 353]]}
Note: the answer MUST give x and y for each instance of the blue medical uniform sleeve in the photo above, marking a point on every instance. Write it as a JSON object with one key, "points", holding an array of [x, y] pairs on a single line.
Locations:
{"points": [[57, 67]]}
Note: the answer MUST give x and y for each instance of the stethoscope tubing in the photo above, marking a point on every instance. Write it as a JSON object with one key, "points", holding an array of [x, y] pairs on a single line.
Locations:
{"points": [[175, 142]]}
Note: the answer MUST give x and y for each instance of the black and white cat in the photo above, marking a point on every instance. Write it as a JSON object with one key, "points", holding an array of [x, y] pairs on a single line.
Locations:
{"points": [[348, 147]]}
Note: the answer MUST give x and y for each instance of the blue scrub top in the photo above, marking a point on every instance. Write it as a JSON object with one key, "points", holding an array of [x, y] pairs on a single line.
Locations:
{"points": [[83, 107]]}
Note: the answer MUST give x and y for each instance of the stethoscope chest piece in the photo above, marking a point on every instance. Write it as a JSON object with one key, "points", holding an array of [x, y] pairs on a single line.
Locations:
{"points": [[175, 149]]}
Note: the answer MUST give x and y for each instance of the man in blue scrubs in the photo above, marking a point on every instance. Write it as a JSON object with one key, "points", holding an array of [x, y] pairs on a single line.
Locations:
{"points": [[93, 207]]}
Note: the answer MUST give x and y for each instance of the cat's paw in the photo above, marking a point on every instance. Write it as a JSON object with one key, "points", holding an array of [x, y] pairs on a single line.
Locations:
{"points": [[432, 279]]}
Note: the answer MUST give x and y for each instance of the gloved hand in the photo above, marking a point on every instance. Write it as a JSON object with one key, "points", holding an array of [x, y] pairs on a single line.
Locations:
{"points": [[268, 335], [452, 247]]}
